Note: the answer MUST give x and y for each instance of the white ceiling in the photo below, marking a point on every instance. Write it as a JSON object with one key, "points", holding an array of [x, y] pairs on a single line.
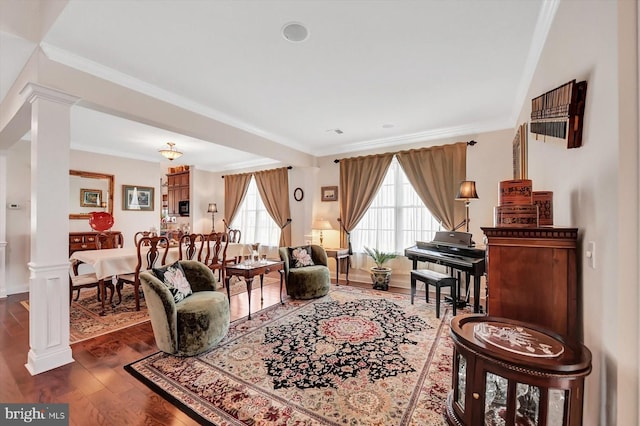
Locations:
{"points": [[383, 72]]}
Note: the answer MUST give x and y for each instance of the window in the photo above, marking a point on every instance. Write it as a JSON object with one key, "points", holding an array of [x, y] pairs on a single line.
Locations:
{"points": [[396, 219], [254, 221]]}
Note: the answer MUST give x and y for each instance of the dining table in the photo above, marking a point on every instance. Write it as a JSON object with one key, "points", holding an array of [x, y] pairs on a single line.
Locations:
{"points": [[108, 263]]}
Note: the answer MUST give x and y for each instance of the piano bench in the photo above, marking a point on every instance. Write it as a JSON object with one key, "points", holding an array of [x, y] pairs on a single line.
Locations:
{"points": [[436, 279]]}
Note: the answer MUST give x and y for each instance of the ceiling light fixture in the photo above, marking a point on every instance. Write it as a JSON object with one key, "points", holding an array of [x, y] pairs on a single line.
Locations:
{"points": [[171, 153], [295, 32]]}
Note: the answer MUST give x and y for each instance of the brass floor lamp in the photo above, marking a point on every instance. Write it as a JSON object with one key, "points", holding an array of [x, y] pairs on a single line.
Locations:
{"points": [[467, 192]]}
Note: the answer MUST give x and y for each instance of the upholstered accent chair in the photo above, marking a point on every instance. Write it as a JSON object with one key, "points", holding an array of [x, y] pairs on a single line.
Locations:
{"points": [[306, 282], [194, 324]]}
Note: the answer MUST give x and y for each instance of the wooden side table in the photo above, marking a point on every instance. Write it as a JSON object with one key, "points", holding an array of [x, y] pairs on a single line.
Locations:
{"points": [[338, 254], [514, 373], [251, 270]]}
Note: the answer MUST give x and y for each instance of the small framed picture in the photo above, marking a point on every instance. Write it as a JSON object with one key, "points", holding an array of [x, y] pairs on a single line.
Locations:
{"points": [[329, 193], [90, 198], [137, 197]]}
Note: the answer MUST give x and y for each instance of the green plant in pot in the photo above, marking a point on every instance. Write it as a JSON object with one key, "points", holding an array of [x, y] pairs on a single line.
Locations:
{"points": [[380, 274]]}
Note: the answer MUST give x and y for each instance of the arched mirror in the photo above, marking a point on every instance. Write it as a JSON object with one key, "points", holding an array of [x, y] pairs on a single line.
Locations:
{"points": [[89, 192]]}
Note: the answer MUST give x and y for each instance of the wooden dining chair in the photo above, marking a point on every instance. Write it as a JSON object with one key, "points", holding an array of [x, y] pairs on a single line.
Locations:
{"points": [[216, 258], [191, 246], [141, 234], [150, 250], [234, 235], [78, 281], [109, 240]]}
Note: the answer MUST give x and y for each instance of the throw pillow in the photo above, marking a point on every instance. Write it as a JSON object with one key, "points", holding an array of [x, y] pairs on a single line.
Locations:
{"points": [[300, 256], [174, 278]]}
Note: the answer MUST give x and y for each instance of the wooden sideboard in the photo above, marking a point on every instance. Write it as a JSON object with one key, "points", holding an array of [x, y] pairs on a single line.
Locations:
{"points": [[79, 241], [532, 277]]}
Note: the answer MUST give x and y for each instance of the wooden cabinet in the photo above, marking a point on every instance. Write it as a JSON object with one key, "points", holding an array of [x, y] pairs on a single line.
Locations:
{"points": [[177, 190], [513, 373], [531, 277], [79, 241]]}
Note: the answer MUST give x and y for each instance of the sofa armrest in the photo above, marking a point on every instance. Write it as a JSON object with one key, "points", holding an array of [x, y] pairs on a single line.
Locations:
{"points": [[284, 256], [162, 311], [319, 255], [199, 275]]}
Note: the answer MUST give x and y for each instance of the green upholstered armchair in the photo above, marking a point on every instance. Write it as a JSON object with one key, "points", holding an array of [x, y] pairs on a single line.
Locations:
{"points": [[307, 282], [194, 324]]}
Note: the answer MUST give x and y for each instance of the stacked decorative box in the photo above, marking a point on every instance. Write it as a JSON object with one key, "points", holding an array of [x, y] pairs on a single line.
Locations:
{"points": [[521, 207], [544, 201]]}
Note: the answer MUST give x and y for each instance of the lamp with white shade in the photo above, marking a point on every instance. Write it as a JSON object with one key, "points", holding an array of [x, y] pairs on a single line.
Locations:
{"points": [[322, 225]]}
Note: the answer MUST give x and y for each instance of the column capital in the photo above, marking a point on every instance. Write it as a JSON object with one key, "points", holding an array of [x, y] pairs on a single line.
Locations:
{"points": [[33, 92]]}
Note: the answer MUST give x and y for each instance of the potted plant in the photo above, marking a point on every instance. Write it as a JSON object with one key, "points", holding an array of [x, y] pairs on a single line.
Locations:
{"points": [[380, 274]]}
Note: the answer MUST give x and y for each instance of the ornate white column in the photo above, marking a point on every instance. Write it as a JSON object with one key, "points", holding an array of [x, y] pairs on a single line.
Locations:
{"points": [[3, 224], [49, 265]]}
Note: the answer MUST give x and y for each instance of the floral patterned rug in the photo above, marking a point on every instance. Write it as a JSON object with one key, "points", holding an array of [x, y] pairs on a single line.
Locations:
{"points": [[353, 357]]}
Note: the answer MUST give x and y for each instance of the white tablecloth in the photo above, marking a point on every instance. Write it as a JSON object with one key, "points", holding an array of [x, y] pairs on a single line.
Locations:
{"points": [[119, 261]]}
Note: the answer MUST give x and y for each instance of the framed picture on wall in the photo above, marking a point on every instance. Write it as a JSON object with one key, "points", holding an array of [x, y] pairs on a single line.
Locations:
{"points": [[137, 197], [520, 152], [90, 198], [329, 193]]}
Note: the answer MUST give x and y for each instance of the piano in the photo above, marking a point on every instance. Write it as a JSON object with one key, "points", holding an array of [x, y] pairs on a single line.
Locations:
{"points": [[457, 251]]}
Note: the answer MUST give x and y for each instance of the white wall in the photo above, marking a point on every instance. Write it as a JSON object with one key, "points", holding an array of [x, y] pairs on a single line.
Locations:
{"points": [[583, 45], [18, 220], [206, 187], [126, 172]]}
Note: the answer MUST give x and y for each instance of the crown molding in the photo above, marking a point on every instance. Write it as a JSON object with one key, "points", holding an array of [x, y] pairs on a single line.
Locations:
{"points": [[33, 91]]}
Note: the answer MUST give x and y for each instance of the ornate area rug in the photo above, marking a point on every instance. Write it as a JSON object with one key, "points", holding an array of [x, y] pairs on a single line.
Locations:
{"points": [[353, 357], [86, 323], [85, 320]]}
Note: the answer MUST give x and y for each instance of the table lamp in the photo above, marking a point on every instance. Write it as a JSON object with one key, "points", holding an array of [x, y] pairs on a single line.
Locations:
{"points": [[321, 224]]}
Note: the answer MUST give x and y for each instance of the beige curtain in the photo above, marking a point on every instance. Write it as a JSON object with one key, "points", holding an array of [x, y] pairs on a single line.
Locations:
{"points": [[360, 179], [235, 188], [435, 173], [273, 186]]}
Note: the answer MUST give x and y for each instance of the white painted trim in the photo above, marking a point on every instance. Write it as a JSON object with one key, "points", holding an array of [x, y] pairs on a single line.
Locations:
{"points": [[33, 91], [3, 224], [39, 363]]}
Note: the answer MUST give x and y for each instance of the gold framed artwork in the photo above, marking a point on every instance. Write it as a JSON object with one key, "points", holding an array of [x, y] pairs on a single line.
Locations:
{"points": [[90, 198], [520, 152], [329, 193], [137, 198]]}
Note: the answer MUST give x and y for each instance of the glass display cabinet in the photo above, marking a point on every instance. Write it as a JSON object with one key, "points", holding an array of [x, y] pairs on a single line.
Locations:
{"points": [[508, 372]]}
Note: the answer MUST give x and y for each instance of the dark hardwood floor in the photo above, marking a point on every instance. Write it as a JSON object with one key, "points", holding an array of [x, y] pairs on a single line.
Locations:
{"points": [[99, 391]]}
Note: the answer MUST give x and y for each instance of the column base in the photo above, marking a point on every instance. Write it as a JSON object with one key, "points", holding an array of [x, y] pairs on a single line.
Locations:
{"points": [[48, 360]]}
